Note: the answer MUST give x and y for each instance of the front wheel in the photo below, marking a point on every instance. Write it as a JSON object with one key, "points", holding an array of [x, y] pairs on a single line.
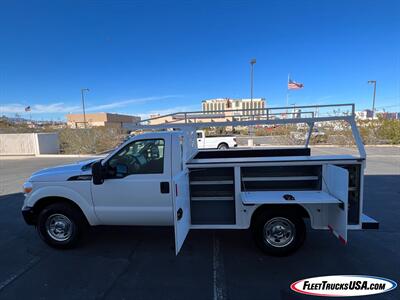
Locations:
{"points": [[279, 234], [60, 225]]}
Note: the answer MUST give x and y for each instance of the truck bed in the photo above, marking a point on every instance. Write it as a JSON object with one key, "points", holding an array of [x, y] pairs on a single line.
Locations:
{"points": [[213, 177], [237, 153], [266, 159]]}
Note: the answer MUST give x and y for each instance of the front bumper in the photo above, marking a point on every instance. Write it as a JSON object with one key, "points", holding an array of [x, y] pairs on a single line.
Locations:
{"points": [[29, 215]]}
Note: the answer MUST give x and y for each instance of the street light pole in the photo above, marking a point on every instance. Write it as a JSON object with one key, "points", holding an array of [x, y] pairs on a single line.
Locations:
{"points": [[373, 99], [251, 128], [294, 110], [83, 105], [252, 62]]}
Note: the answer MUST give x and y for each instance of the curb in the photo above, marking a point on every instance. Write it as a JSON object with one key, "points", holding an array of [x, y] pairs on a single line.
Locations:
{"points": [[4, 157], [69, 155]]}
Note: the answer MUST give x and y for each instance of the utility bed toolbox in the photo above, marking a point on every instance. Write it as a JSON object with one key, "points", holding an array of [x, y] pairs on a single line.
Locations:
{"points": [[278, 152], [285, 197], [212, 196]]}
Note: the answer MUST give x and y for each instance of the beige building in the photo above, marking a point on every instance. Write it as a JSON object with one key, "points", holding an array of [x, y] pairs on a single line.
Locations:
{"points": [[234, 107], [215, 110], [100, 119]]}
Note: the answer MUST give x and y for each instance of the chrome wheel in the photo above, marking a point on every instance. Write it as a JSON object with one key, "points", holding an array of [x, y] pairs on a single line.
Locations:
{"points": [[279, 232], [59, 227]]}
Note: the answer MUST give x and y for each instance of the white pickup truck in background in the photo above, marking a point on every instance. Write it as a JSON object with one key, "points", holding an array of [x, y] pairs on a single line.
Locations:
{"points": [[215, 142]]}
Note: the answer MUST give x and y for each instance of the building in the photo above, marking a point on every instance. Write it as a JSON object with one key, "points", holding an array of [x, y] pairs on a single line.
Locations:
{"points": [[215, 110], [388, 115], [100, 119], [234, 107], [365, 114]]}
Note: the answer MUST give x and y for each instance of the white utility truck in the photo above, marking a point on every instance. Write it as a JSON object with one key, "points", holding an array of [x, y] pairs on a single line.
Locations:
{"points": [[215, 142], [161, 178]]}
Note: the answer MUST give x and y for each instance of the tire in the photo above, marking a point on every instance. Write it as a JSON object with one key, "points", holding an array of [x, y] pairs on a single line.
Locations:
{"points": [[279, 233], [60, 225], [223, 146]]}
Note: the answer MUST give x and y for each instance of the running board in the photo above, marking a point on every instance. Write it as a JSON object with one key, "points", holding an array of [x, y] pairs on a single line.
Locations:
{"points": [[368, 222]]}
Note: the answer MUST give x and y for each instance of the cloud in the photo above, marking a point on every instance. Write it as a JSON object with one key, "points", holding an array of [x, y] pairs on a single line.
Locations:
{"points": [[58, 107], [61, 107], [124, 103]]}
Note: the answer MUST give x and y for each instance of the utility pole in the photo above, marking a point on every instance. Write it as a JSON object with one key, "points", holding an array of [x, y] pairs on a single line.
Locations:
{"points": [[373, 99], [83, 105], [252, 63], [251, 128], [294, 110]]}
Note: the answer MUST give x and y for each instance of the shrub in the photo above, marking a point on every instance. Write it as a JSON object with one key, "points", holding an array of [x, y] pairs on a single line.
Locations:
{"points": [[89, 141], [390, 131]]}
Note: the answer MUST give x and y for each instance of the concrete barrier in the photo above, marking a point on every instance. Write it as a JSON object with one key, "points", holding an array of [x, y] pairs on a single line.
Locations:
{"points": [[29, 143]]}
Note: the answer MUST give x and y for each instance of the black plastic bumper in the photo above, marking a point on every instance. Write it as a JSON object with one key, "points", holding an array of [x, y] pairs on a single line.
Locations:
{"points": [[29, 215], [369, 223]]}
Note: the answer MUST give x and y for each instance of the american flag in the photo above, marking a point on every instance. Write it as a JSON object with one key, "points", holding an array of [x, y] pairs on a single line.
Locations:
{"points": [[292, 85], [28, 108]]}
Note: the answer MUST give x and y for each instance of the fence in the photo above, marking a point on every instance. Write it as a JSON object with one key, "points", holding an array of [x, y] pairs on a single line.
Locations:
{"points": [[29, 143]]}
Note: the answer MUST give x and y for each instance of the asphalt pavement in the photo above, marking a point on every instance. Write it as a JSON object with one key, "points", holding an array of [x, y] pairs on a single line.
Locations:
{"points": [[140, 263]]}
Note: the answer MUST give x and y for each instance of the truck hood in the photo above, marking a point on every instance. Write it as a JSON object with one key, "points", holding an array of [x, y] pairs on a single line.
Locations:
{"points": [[64, 172]]}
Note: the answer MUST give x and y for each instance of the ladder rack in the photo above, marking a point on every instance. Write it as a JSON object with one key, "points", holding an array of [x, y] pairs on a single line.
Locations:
{"points": [[307, 114]]}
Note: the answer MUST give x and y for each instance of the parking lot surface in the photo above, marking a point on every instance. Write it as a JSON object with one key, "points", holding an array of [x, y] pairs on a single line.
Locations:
{"points": [[140, 263]]}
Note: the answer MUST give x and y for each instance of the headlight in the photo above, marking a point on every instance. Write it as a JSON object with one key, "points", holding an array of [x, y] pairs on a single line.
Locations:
{"points": [[27, 187]]}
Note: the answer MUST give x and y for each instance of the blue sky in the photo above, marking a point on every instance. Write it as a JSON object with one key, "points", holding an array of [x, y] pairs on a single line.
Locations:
{"points": [[140, 57]]}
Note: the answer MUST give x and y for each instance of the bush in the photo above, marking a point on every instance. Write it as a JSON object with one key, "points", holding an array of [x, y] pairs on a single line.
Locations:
{"points": [[390, 131], [89, 141]]}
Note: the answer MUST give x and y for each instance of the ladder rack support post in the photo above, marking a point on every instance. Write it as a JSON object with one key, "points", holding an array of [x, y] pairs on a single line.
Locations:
{"points": [[357, 138], [309, 133]]}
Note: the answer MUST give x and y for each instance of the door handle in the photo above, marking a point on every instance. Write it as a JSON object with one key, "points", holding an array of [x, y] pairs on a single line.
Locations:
{"points": [[179, 214], [164, 187]]}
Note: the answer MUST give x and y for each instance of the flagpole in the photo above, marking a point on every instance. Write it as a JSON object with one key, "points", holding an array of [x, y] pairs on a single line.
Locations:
{"points": [[287, 93]]}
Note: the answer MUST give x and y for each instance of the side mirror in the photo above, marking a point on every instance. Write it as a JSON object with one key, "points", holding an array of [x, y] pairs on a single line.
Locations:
{"points": [[97, 173]]}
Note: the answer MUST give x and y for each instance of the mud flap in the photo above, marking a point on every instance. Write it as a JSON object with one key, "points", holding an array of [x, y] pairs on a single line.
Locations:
{"points": [[181, 207], [336, 182]]}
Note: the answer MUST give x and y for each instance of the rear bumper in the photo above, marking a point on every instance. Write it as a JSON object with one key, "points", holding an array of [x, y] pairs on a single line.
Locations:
{"points": [[29, 215], [369, 223]]}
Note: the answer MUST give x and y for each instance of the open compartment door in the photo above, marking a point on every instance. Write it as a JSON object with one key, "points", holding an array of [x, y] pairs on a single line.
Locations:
{"points": [[181, 206], [336, 182]]}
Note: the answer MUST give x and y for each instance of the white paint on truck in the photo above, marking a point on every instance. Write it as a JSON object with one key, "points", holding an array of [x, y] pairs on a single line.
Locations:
{"points": [[160, 178]]}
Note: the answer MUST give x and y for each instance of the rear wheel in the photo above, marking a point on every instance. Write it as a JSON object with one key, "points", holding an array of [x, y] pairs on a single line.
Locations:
{"points": [[223, 146], [60, 225], [279, 233]]}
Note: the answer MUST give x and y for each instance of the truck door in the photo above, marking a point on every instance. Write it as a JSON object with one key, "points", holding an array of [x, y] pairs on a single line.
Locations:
{"points": [[200, 140], [181, 206], [336, 182], [137, 185]]}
